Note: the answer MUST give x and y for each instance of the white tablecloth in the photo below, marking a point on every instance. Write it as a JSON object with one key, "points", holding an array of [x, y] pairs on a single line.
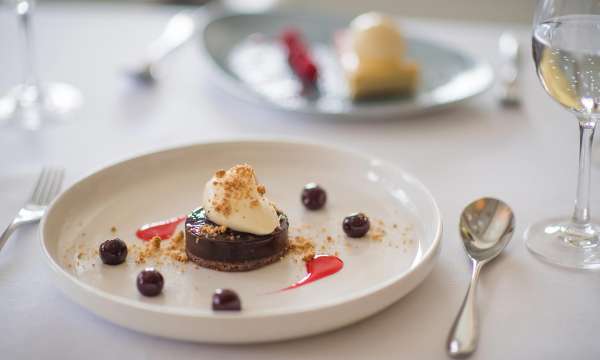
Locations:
{"points": [[528, 157]]}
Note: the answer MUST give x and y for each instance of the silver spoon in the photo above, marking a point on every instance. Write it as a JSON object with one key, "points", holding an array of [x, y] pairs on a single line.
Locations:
{"points": [[177, 32], [486, 226]]}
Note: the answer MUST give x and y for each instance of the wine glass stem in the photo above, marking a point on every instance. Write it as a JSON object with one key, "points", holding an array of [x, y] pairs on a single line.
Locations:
{"points": [[24, 11], [587, 126]]}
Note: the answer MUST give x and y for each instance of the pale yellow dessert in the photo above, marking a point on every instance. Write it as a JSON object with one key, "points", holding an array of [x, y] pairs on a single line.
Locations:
{"points": [[372, 55]]}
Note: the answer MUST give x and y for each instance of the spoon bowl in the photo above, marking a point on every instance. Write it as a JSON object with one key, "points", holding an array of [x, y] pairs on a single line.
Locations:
{"points": [[486, 227]]}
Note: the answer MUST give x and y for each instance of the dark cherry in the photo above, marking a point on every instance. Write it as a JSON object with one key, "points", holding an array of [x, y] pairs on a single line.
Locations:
{"points": [[225, 299], [313, 196], [150, 282], [113, 252], [356, 225]]}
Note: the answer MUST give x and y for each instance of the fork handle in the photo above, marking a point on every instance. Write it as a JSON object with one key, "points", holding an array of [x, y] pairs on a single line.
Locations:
{"points": [[8, 232]]}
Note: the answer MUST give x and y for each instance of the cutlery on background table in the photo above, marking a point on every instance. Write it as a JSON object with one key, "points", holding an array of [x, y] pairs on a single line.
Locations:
{"points": [[177, 32], [509, 49], [48, 186], [486, 226]]}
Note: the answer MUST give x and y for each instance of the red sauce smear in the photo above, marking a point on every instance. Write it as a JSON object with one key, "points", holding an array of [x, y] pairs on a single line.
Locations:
{"points": [[163, 229], [319, 267]]}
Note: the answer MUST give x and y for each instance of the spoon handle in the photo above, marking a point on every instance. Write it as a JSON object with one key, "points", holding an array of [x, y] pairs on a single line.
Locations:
{"points": [[178, 30], [463, 337]]}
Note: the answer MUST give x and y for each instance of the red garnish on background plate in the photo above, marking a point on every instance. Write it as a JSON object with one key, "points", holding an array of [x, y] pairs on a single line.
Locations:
{"points": [[299, 56], [163, 229]]}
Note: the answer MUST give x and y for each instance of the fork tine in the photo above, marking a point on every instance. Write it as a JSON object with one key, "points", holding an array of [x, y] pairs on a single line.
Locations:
{"points": [[48, 188], [54, 187], [39, 187]]}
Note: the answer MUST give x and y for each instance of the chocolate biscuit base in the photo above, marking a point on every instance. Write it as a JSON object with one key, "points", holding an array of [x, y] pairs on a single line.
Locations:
{"points": [[238, 266]]}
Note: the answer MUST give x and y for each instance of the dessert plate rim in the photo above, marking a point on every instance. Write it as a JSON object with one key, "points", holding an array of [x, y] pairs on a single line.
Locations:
{"points": [[430, 255], [236, 87]]}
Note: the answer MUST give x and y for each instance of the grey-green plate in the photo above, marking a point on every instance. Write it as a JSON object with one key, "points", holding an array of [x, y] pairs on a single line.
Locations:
{"points": [[250, 63]]}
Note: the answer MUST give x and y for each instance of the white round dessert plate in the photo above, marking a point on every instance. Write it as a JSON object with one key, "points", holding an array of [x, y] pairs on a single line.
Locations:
{"points": [[248, 61], [397, 254]]}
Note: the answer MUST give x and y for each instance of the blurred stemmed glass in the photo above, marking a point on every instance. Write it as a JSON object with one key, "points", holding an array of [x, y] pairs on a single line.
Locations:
{"points": [[31, 103], [566, 51]]}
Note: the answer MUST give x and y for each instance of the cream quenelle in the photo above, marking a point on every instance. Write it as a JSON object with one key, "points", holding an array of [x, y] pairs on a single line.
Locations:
{"points": [[234, 199], [375, 37]]}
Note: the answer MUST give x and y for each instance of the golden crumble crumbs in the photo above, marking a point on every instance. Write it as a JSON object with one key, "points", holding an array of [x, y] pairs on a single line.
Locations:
{"points": [[154, 243], [213, 229], [176, 241], [303, 246], [308, 257], [237, 184], [377, 232], [223, 208], [174, 249], [261, 189]]}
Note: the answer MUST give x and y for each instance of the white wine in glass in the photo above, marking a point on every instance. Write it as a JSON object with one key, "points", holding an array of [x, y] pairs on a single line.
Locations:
{"points": [[32, 103], [566, 51]]}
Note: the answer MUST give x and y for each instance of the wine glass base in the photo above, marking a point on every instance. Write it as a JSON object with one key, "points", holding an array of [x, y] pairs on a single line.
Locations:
{"points": [[561, 242], [29, 107]]}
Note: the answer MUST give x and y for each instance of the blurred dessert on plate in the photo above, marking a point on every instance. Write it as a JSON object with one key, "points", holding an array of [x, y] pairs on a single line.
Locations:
{"points": [[372, 55]]}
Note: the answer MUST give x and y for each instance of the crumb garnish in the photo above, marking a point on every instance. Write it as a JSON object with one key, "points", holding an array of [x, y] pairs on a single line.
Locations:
{"points": [[208, 229], [261, 189], [377, 232], [237, 184], [303, 246], [174, 249], [154, 243], [308, 257]]}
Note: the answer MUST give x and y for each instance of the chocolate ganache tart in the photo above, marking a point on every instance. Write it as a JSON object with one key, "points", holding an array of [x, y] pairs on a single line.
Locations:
{"points": [[237, 228]]}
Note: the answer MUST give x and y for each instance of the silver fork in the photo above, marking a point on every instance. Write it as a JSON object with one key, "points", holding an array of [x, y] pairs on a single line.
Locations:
{"points": [[48, 185]]}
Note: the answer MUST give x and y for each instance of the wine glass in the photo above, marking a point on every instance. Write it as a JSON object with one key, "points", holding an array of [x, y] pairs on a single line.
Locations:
{"points": [[31, 103], [566, 52]]}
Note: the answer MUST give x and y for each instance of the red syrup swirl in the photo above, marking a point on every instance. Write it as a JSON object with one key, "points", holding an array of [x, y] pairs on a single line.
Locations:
{"points": [[163, 229], [319, 267]]}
